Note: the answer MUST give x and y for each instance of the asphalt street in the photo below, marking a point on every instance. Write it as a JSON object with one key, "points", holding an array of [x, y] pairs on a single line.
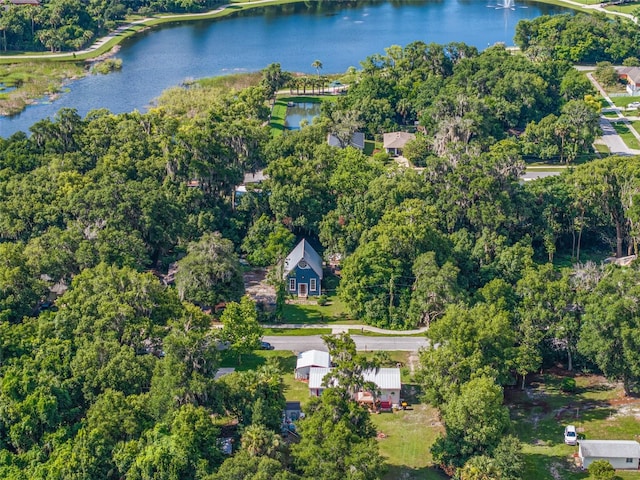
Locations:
{"points": [[363, 343]]}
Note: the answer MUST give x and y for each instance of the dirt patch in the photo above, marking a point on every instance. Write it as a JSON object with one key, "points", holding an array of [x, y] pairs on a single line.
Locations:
{"points": [[258, 288]]}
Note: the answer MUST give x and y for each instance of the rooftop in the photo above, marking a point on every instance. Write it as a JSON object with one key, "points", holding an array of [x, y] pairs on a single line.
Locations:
{"points": [[397, 139], [313, 358], [303, 251], [610, 448]]}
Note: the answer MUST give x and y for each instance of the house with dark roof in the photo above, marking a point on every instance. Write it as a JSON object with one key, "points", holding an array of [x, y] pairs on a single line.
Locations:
{"points": [[303, 271], [357, 141], [394, 142], [621, 454]]}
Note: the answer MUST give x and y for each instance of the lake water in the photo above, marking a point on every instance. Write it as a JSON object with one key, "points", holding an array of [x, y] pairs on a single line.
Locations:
{"points": [[340, 35], [299, 112]]}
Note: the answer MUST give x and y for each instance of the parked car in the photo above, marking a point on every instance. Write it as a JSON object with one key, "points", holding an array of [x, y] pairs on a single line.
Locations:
{"points": [[634, 105], [570, 435], [266, 346]]}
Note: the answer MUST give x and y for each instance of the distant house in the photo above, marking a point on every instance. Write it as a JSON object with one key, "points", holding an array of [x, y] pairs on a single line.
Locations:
{"points": [[387, 381], [395, 142], [621, 454], [631, 75], [311, 358], [303, 271], [357, 140]]}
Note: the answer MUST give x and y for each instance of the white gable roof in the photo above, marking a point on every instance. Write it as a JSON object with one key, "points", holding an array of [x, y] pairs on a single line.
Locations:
{"points": [[316, 374], [610, 448], [384, 378], [303, 251], [313, 358]]}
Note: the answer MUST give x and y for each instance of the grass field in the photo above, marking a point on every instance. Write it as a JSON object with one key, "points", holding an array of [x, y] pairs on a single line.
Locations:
{"points": [[298, 332], [540, 413], [629, 139]]}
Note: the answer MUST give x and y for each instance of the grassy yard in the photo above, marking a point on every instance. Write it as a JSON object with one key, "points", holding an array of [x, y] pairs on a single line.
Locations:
{"points": [[610, 114], [298, 332], [540, 413], [626, 8], [408, 437], [629, 139]]}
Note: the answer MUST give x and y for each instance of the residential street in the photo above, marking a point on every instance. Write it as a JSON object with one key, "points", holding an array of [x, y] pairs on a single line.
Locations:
{"points": [[363, 343]]}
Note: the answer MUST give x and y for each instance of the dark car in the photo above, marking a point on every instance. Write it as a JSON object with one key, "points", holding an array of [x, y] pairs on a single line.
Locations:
{"points": [[266, 346]]}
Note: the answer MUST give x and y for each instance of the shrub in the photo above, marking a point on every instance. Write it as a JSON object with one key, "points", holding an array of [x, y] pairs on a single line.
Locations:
{"points": [[322, 300], [568, 385], [601, 470]]}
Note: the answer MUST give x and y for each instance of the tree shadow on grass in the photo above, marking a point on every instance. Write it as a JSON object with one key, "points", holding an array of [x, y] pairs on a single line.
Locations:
{"points": [[396, 472], [551, 466]]}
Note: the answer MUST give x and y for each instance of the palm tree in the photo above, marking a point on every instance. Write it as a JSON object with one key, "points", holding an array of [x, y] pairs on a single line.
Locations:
{"points": [[317, 64]]}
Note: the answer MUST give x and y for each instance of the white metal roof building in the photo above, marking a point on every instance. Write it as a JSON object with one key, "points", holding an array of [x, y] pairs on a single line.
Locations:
{"points": [[621, 454], [386, 379], [311, 358], [316, 374]]}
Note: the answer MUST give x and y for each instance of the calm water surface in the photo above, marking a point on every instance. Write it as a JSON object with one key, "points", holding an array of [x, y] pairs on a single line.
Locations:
{"points": [[299, 112], [293, 35]]}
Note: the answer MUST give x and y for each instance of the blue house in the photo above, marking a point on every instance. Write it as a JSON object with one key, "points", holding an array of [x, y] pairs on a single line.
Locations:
{"points": [[303, 271]]}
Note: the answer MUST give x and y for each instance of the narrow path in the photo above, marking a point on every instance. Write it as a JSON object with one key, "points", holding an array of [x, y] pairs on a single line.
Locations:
{"points": [[600, 8]]}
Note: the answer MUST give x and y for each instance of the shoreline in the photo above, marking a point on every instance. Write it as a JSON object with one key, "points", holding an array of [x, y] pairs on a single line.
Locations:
{"points": [[110, 44], [106, 43]]}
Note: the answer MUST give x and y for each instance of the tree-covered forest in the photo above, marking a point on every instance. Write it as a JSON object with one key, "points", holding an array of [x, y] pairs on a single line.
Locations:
{"points": [[116, 378]]}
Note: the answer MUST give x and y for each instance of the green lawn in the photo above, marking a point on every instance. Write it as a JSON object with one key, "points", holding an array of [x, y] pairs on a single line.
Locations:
{"points": [[408, 438], [626, 8], [541, 414], [629, 139], [334, 312], [610, 114], [298, 332]]}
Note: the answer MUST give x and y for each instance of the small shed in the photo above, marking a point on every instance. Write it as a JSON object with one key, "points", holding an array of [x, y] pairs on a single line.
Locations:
{"points": [[621, 454], [309, 359], [394, 142], [303, 271]]}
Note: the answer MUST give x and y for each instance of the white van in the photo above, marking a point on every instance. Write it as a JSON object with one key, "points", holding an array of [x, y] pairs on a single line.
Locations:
{"points": [[570, 436]]}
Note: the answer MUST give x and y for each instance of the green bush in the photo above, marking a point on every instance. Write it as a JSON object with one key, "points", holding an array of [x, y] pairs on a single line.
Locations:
{"points": [[601, 470], [568, 385], [322, 300]]}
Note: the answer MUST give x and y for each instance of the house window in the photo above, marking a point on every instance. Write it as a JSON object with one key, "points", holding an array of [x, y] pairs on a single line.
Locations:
{"points": [[629, 460], [292, 284], [312, 284]]}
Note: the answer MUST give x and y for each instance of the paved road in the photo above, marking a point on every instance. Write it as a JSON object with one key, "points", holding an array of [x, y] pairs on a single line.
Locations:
{"points": [[363, 343]]}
